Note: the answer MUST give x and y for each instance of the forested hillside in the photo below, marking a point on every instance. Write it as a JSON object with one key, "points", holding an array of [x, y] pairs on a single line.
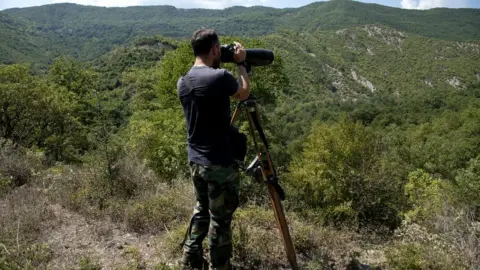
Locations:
{"points": [[87, 32], [372, 114], [368, 63]]}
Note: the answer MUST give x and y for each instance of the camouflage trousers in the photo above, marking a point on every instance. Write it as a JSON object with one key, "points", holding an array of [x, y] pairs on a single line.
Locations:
{"points": [[216, 193]]}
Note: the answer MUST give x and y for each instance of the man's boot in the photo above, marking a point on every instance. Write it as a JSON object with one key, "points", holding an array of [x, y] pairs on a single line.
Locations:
{"points": [[192, 261], [226, 266]]}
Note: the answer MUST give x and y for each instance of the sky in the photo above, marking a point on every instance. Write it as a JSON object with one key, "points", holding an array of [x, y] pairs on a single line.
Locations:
{"points": [[220, 4]]}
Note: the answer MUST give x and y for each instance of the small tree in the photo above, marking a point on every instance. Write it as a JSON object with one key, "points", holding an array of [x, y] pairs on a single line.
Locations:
{"points": [[342, 177], [468, 186]]}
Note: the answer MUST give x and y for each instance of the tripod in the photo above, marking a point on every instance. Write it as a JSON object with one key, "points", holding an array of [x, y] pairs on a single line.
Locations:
{"points": [[262, 169]]}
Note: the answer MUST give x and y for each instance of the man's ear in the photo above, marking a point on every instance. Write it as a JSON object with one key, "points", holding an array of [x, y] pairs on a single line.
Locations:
{"points": [[212, 51], [216, 48]]}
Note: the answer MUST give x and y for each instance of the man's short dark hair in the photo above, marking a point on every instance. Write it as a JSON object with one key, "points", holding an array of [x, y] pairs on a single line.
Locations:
{"points": [[203, 40]]}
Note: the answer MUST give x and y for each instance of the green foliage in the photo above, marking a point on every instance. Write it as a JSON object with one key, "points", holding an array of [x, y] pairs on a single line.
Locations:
{"points": [[367, 125], [142, 54], [157, 127], [424, 195], [85, 32], [159, 137], [174, 65], [72, 75], [17, 165], [411, 76], [468, 183], [36, 112], [445, 144], [20, 99], [139, 87], [340, 176]]}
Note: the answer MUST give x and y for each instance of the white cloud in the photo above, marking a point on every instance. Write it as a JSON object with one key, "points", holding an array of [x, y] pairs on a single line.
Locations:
{"points": [[409, 4], [427, 4]]}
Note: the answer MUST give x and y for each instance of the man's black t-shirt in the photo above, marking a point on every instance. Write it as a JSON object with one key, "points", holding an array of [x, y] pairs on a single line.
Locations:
{"points": [[207, 113]]}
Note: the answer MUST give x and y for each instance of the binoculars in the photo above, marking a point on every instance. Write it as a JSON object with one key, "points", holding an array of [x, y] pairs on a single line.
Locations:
{"points": [[254, 57]]}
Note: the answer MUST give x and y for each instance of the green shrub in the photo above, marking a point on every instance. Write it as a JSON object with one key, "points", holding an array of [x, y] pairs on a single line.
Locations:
{"points": [[424, 195], [342, 176], [468, 183], [159, 138], [17, 164]]}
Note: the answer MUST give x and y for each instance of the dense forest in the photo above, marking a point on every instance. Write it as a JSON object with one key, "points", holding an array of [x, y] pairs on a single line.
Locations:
{"points": [[373, 121], [86, 32]]}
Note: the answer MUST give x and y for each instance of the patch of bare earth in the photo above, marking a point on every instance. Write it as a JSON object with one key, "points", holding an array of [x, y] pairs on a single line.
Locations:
{"points": [[106, 243]]}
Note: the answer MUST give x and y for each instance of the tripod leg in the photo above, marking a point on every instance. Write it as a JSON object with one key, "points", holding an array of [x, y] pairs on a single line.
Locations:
{"points": [[282, 224], [268, 174], [235, 113]]}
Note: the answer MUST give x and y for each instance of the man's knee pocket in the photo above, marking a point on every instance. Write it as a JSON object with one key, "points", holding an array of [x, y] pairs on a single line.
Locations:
{"points": [[224, 200]]}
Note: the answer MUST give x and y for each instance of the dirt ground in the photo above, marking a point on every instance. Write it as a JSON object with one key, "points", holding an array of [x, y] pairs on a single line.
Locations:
{"points": [[106, 243]]}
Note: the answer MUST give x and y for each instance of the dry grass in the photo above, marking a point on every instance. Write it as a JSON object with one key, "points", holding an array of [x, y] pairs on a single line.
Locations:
{"points": [[167, 207], [139, 203], [450, 240], [461, 230], [24, 213], [89, 190], [257, 243]]}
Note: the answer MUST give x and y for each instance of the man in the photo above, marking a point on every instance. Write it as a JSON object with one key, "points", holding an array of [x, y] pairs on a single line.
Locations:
{"points": [[205, 97]]}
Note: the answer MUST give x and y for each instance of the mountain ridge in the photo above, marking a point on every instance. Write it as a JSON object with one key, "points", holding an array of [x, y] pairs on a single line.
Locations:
{"points": [[87, 32]]}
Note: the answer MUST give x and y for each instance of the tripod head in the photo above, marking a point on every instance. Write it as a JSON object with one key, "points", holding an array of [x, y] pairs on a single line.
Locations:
{"points": [[251, 101]]}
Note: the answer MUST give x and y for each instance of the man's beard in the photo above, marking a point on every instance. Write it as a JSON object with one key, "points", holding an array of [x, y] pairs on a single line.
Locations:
{"points": [[216, 63]]}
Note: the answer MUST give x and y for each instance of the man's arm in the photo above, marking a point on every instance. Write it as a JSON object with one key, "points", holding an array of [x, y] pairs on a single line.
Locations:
{"points": [[243, 81], [244, 84]]}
